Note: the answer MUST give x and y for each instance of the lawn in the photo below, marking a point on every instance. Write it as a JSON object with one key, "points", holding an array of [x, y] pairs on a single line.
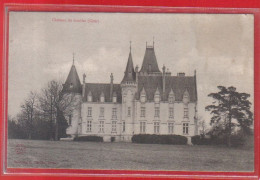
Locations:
{"points": [[129, 156]]}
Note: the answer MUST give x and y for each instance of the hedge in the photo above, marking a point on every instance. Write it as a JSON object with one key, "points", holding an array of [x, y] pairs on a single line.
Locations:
{"points": [[200, 140], [159, 139], [235, 140], [89, 138]]}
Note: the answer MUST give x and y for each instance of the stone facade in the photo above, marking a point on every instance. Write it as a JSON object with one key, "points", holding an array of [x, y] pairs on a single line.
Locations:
{"points": [[145, 102]]}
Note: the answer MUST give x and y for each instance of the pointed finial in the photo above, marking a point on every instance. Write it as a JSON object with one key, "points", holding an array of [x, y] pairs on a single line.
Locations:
{"points": [[195, 72], [130, 46], [146, 44], [153, 41], [73, 58]]}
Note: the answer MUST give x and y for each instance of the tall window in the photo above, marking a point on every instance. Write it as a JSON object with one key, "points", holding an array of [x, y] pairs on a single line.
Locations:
{"points": [[185, 128], [171, 112], [102, 111], [170, 128], [186, 112], [70, 118], [156, 127], [89, 126], [142, 111], [157, 112], [129, 112], [123, 126], [89, 111], [114, 113], [113, 126], [142, 127], [101, 126]]}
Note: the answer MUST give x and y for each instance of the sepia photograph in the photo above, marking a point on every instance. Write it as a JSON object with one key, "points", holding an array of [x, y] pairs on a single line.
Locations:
{"points": [[131, 91]]}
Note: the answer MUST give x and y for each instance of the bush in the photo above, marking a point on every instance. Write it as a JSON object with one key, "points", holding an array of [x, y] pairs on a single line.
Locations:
{"points": [[159, 139], [89, 138], [237, 140], [200, 140]]}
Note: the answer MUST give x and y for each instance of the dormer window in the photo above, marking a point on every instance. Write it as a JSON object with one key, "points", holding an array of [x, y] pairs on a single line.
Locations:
{"points": [[171, 98], [143, 96], [186, 97], [102, 97], [89, 96], [114, 97], [157, 96]]}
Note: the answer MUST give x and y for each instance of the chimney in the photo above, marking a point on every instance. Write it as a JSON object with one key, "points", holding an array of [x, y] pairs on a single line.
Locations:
{"points": [[181, 74], [84, 85], [111, 86]]}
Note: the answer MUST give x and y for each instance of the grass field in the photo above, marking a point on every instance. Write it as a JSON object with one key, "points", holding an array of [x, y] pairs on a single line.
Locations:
{"points": [[93, 155]]}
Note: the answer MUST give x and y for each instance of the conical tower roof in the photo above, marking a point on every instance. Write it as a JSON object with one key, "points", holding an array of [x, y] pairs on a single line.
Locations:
{"points": [[150, 64], [129, 71], [72, 84]]}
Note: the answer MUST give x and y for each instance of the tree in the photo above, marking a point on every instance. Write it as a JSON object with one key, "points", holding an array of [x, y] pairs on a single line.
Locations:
{"points": [[54, 105], [202, 125], [231, 109], [28, 111]]}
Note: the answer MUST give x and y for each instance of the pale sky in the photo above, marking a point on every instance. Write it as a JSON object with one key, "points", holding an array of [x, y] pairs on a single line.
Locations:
{"points": [[219, 46]]}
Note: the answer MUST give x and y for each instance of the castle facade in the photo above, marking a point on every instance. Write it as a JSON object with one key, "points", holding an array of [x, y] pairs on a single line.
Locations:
{"points": [[147, 101]]}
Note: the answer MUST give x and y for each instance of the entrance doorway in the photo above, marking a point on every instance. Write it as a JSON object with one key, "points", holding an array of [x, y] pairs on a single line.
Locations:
{"points": [[113, 139]]}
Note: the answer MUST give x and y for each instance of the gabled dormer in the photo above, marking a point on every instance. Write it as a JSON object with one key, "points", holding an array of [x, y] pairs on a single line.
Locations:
{"points": [[186, 97], [90, 96], [143, 96], [171, 97], [102, 97], [157, 96], [114, 97]]}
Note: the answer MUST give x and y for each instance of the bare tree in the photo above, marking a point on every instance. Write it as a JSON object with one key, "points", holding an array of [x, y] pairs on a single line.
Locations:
{"points": [[202, 125], [28, 111], [54, 103]]}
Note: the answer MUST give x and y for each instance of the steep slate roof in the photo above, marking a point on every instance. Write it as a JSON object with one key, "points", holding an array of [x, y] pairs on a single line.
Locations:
{"points": [[129, 71], [97, 88], [149, 59], [176, 83], [72, 84]]}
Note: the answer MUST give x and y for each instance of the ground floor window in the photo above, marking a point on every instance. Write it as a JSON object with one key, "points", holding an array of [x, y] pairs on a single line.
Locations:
{"points": [[142, 127], [185, 128], [156, 127], [123, 126], [89, 126], [113, 126], [101, 126], [170, 128]]}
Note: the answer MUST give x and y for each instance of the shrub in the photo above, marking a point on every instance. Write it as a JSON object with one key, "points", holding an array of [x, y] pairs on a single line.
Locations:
{"points": [[159, 139], [237, 140], [89, 138], [200, 140]]}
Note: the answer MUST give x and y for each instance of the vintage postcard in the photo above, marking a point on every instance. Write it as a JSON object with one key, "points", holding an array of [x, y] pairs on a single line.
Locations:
{"points": [[131, 91]]}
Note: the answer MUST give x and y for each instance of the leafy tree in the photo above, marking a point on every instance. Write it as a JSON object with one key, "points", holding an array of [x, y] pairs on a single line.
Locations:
{"points": [[230, 109]]}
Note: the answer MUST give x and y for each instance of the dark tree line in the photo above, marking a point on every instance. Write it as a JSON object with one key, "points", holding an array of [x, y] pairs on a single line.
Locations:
{"points": [[42, 114]]}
